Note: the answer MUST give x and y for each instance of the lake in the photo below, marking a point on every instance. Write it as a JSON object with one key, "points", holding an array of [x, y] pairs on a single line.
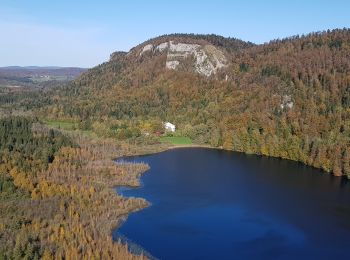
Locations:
{"points": [[214, 204]]}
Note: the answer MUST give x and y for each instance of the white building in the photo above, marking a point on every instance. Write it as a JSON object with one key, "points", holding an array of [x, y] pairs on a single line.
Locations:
{"points": [[169, 127]]}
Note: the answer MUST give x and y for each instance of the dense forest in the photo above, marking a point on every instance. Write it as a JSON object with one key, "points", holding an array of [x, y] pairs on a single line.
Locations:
{"points": [[56, 200], [289, 98]]}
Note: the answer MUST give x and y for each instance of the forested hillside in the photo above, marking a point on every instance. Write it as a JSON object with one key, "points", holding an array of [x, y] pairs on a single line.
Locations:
{"points": [[289, 98]]}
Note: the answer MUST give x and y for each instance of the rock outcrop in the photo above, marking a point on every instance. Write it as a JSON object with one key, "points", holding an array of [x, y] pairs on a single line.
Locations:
{"points": [[207, 58]]}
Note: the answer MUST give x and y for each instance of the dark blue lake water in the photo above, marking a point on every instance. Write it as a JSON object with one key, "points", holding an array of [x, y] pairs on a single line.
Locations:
{"points": [[213, 204]]}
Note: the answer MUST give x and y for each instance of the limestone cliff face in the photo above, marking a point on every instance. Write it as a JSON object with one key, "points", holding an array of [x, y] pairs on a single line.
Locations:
{"points": [[206, 55], [207, 58]]}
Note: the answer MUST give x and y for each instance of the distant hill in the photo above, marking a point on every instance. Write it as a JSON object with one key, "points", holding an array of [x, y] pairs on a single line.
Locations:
{"points": [[288, 98], [33, 76]]}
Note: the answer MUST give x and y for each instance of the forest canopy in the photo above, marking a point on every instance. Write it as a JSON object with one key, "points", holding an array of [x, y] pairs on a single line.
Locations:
{"points": [[289, 98]]}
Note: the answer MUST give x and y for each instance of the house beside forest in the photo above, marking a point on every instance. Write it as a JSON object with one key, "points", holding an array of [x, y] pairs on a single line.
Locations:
{"points": [[169, 127]]}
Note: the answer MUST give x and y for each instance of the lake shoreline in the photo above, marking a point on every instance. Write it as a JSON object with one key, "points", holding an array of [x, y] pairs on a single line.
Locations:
{"points": [[125, 216], [162, 191], [170, 147]]}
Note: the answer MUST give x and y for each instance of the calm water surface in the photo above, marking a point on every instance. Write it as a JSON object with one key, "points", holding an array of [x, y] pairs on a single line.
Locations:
{"points": [[212, 204]]}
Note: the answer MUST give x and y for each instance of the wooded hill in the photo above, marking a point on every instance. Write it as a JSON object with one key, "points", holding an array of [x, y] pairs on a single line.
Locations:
{"points": [[288, 98]]}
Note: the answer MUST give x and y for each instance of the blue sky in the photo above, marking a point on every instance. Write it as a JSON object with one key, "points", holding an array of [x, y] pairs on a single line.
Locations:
{"points": [[84, 33]]}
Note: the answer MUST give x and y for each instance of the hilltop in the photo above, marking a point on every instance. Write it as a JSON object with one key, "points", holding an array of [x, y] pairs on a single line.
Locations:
{"points": [[288, 98]]}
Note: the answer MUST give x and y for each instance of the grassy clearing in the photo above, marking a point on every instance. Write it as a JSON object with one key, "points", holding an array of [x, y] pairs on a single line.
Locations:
{"points": [[65, 125], [176, 140]]}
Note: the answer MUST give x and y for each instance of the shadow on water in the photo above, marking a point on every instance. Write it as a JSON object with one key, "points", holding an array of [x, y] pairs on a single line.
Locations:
{"points": [[212, 204]]}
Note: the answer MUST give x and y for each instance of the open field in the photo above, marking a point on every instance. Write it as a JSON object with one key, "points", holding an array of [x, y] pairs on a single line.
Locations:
{"points": [[176, 140]]}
